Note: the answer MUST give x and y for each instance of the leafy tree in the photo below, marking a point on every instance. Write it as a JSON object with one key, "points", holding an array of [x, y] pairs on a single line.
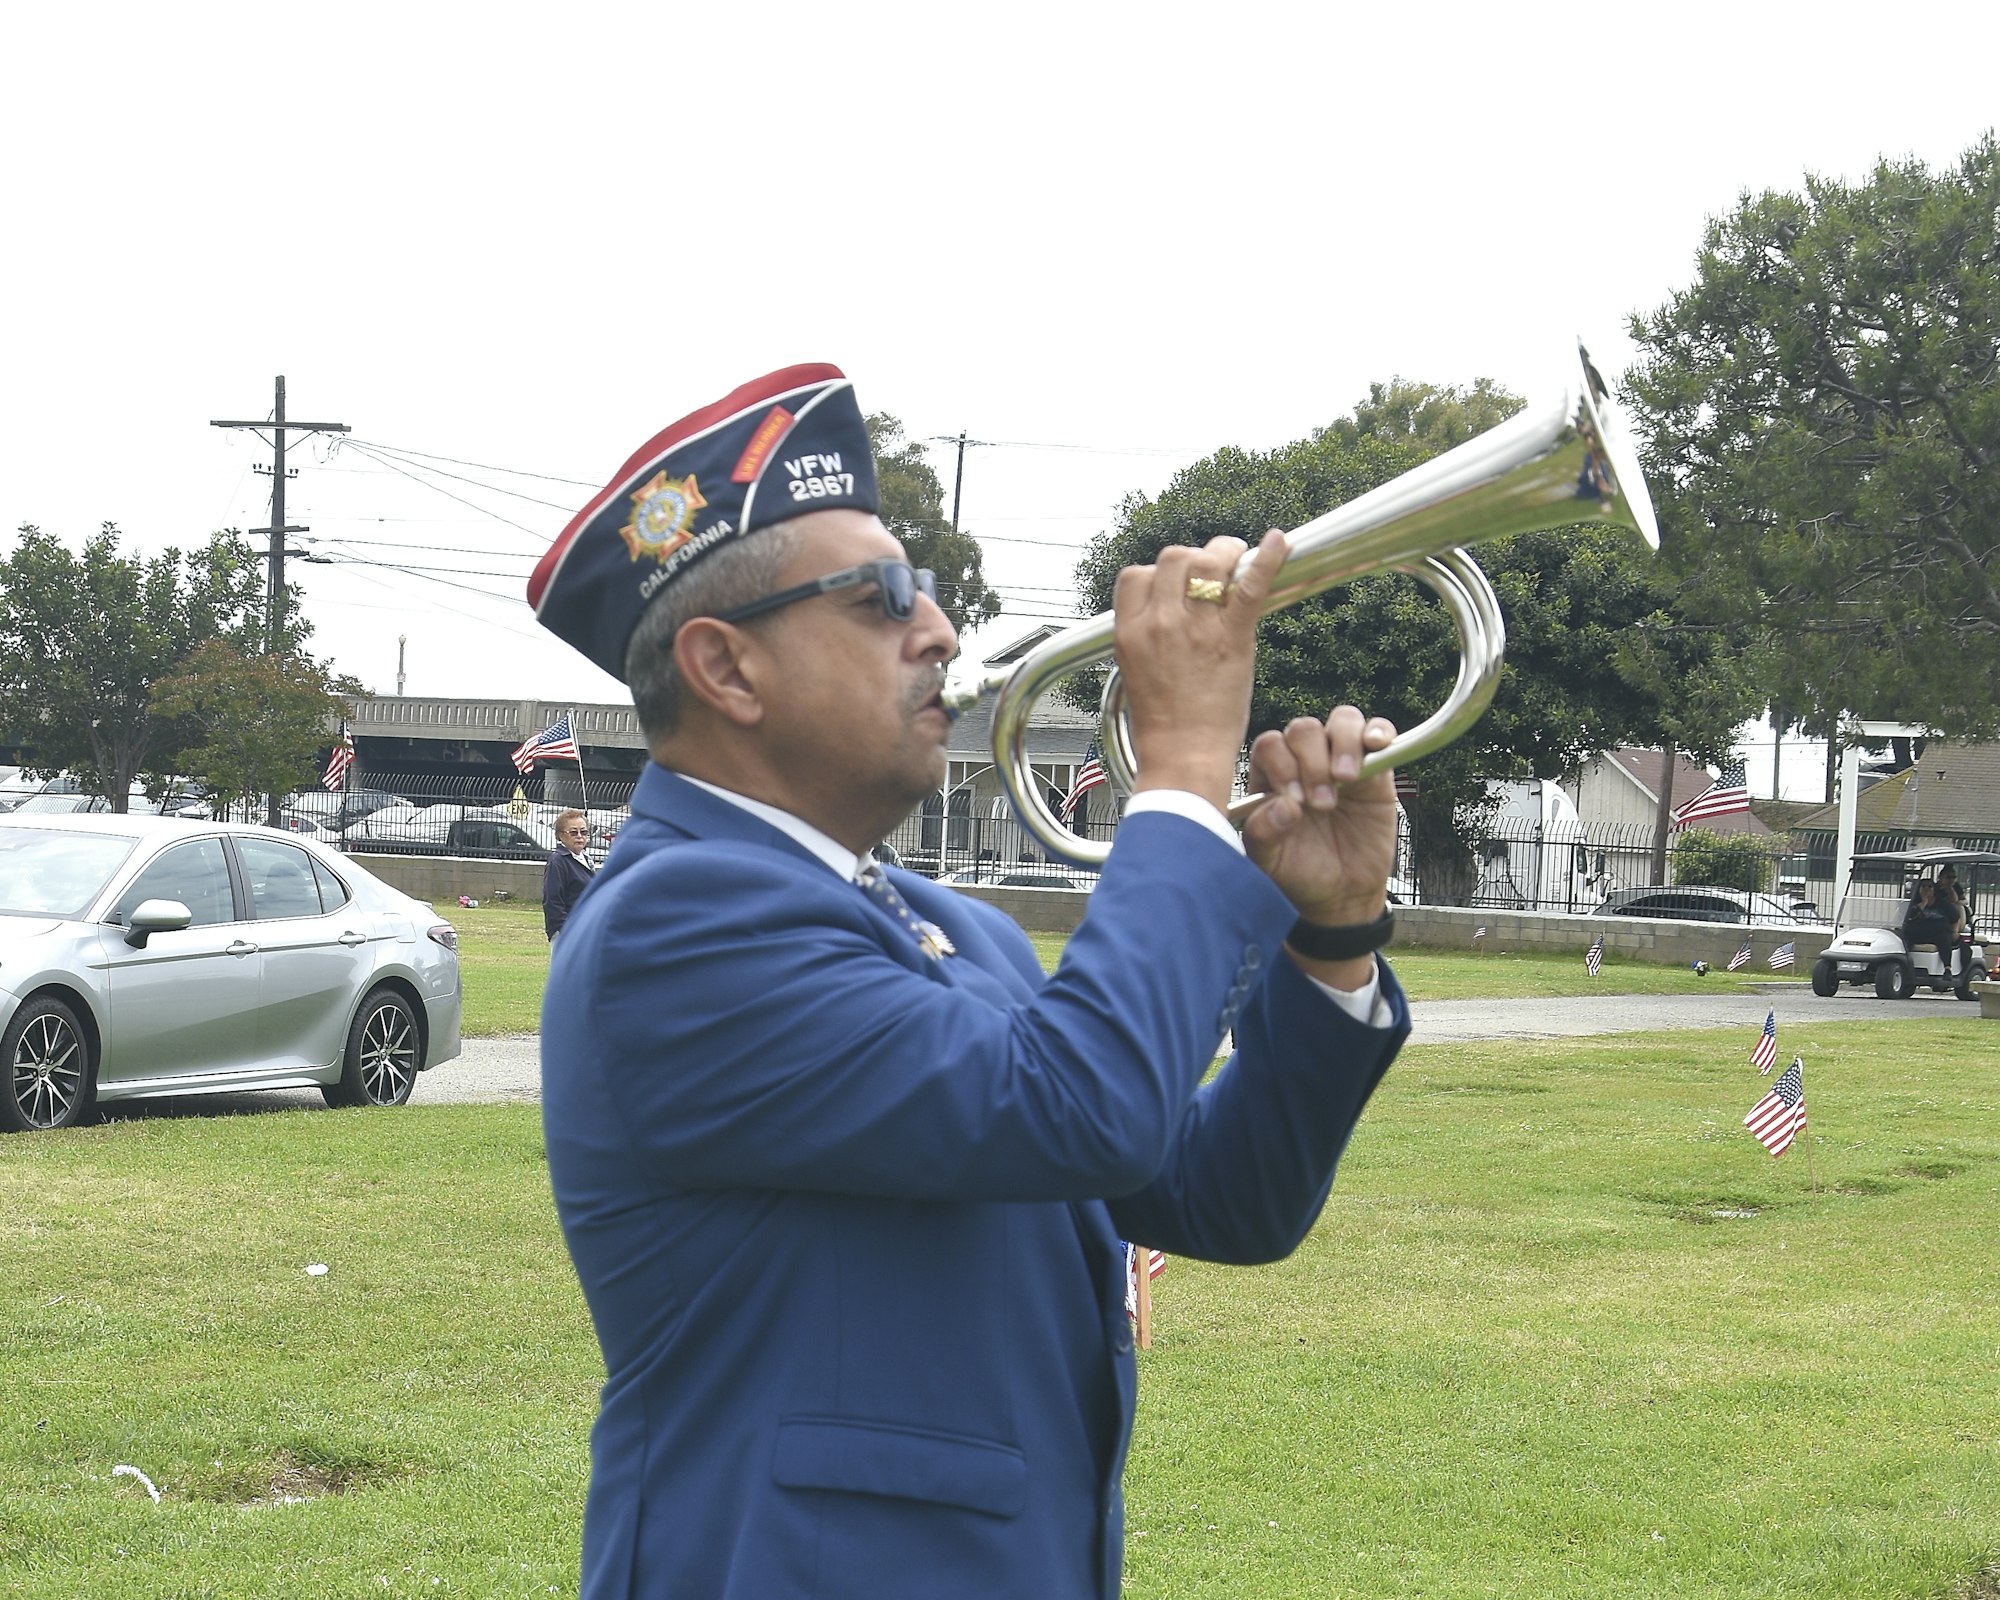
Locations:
{"points": [[1422, 414], [83, 638], [1821, 424], [1383, 642], [1733, 861], [913, 510], [252, 725]]}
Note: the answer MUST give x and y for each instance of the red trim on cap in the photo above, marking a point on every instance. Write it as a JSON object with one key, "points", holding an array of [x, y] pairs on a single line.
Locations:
{"points": [[758, 391]]}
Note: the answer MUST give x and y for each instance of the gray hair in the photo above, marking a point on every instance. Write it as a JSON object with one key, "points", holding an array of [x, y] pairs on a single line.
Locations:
{"points": [[743, 570]]}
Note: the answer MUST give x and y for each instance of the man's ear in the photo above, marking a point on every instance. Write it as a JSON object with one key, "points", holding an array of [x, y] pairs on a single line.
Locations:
{"points": [[710, 656]]}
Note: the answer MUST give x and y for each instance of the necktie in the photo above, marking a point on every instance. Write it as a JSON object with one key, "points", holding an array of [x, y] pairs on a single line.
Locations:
{"points": [[929, 936]]}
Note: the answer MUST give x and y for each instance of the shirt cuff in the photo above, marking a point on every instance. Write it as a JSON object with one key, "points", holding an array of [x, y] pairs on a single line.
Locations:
{"points": [[1365, 1005], [1186, 803]]}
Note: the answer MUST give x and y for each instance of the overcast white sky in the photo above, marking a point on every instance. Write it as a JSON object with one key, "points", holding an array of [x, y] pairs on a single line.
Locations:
{"points": [[1108, 240]]}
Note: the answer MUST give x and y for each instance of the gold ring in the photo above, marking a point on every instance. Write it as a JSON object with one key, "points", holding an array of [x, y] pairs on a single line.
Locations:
{"points": [[1209, 589]]}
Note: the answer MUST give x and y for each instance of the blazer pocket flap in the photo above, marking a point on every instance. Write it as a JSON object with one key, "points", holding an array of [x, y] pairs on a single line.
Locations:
{"points": [[909, 1463]]}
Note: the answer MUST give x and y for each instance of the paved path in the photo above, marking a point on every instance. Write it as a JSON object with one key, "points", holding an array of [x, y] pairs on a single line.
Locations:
{"points": [[509, 1068]]}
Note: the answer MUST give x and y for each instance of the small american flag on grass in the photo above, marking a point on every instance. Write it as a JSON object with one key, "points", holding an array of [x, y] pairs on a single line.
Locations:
{"points": [[1765, 1056], [1156, 1263], [1479, 933], [1783, 957], [1777, 1118], [1742, 956], [1593, 958]]}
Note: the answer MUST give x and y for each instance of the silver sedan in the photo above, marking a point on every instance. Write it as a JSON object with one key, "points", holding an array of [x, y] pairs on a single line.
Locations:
{"points": [[151, 956]]}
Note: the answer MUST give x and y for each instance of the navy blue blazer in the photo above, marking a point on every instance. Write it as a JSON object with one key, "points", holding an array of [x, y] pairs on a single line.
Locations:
{"points": [[846, 1216], [564, 879]]}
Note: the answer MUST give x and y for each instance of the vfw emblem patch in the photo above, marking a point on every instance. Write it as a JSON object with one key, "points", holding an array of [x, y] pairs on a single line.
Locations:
{"points": [[662, 516]]}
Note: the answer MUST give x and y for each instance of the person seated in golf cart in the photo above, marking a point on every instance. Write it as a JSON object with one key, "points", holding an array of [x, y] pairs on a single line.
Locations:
{"points": [[1951, 899], [1931, 921]]}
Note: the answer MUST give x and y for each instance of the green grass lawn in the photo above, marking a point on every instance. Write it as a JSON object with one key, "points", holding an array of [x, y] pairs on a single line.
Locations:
{"points": [[1564, 1330], [506, 960]]}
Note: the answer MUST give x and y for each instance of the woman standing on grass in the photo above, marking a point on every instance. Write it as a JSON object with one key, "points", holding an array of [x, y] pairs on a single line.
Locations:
{"points": [[568, 874]]}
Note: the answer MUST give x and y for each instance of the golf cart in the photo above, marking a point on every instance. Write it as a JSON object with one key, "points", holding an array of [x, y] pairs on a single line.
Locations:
{"points": [[1869, 945]]}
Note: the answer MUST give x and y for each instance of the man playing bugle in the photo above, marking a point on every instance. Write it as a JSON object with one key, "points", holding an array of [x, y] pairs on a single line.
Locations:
{"points": [[842, 1172]]}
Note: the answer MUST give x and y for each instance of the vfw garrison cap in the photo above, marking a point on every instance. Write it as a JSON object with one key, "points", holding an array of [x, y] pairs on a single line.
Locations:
{"points": [[784, 444]]}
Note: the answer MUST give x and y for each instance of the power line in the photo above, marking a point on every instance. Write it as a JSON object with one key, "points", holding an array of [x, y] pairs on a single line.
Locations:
{"points": [[404, 544], [1084, 449], [439, 489], [459, 477], [463, 572], [519, 472]]}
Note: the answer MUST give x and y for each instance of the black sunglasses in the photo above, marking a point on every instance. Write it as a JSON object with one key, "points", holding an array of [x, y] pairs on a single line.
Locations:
{"points": [[897, 585]]}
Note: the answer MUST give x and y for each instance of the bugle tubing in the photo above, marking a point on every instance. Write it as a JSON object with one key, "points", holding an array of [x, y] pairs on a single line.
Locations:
{"points": [[1547, 467]]}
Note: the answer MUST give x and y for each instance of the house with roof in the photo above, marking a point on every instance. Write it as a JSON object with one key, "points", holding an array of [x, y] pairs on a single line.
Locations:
{"points": [[1617, 796], [1950, 795]]}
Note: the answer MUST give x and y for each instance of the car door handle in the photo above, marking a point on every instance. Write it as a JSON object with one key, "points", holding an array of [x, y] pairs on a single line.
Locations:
{"points": [[242, 947], [350, 938]]}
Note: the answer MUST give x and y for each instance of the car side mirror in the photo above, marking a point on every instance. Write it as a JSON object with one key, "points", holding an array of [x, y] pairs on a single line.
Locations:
{"points": [[156, 916]]}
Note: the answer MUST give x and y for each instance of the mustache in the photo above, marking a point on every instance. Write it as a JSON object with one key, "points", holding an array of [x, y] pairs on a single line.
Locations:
{"points": [[924, 689]]}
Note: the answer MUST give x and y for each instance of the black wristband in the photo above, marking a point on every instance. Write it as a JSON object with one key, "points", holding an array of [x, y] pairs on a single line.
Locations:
{"points": [[1318, 942]]}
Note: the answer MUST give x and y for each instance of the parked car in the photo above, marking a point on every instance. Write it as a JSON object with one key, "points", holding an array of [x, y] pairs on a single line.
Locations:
{"points": [[336, 811], [449, 830], [66, 793], [143, 957], [16, 786], [1687, 902]]}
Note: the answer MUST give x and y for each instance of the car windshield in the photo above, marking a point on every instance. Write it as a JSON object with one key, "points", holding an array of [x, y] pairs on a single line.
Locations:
{"points": [[49, 873]]}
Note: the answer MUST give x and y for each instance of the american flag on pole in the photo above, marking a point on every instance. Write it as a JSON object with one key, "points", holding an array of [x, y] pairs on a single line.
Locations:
{"points": [[1777, 1118], [553, 743], [1139, 1292], [1728, 793], [1091, 775], [1593, 958], [341, 759], [1742, 956], [1479, 933], [1156, 1263], [1783, 957], [1765, 1056]]}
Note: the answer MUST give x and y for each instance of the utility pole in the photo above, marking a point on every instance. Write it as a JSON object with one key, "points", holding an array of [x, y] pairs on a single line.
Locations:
{"points": [[958, 478], [274, 614]]}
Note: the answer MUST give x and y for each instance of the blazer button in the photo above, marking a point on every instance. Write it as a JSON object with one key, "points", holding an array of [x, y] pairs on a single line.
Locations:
{"points": [[1253, 958]]}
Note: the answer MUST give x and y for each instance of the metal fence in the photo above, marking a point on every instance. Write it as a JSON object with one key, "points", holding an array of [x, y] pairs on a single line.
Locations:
{"points": [[1521, 865]]}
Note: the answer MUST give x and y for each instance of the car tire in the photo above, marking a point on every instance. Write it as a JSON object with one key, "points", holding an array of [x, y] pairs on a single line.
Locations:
{"points": [[1826, 978], [47, 1077], [384, 1051], [1893, 981], [1973, 974]]}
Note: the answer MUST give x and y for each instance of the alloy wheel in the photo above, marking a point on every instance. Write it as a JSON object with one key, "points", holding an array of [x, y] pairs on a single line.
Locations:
{"points": [[48, 1068], [388, 1053]]}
